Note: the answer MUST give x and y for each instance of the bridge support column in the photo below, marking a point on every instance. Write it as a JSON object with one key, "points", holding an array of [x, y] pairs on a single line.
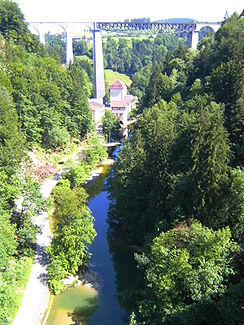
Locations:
{"points": [[40, 30], [69, 47], [98, 68], [42, 37], [194, 39]]}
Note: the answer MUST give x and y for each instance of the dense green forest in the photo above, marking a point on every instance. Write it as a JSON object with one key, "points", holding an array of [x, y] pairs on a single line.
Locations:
{"points": [[44, 106], [178, 186]]}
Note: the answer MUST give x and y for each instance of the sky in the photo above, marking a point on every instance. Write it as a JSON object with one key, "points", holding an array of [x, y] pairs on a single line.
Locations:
{"points": [[118, 10]]}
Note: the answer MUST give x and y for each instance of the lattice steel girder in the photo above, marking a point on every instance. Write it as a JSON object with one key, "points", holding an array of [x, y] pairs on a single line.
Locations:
{"points": [[124, 26]]}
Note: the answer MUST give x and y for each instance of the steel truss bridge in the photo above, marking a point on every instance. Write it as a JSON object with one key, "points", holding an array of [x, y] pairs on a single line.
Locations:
{"points": [[70, 29], [156, 27]]}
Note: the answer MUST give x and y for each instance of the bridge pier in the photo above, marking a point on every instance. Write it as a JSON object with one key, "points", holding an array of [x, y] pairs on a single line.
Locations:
{"points": [[98, 68], [194, 39], [42, 37], [40, 31], [69, 46]]}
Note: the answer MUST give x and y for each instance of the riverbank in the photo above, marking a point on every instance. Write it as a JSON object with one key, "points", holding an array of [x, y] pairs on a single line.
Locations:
{"points": [[36, 296], [88, 279], [98, 171]]}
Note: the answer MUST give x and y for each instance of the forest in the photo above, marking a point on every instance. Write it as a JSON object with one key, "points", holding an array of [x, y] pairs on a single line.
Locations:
{"points": [[177, 187], [43, 107]]}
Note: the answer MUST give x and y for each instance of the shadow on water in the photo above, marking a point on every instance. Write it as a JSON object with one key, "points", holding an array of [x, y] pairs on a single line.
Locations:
{"points": [[82, 315], [129, 280], [73, 306]]}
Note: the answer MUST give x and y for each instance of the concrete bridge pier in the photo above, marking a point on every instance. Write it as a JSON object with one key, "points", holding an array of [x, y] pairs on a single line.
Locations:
{"points": [[194, 39], [40, 30], [42, 37], [69, 47], [98, 68]]}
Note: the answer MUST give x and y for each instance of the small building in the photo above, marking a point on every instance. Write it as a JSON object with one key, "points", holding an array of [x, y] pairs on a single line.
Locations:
{"points": [[118, 91], [97, 109], [121, 103]]}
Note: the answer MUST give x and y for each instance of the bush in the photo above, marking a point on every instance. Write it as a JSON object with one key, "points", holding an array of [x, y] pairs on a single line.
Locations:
{"points": [[78, 174]]}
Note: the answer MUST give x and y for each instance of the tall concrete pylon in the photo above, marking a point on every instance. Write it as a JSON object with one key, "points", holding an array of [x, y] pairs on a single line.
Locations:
{"points": [[40, 29], [98, 68], [69, 45], [194, 39], [42, 37]]}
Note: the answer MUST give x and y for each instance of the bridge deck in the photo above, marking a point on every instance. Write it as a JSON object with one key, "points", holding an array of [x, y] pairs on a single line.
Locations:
{"points": [[112, 144], [129, 26]]}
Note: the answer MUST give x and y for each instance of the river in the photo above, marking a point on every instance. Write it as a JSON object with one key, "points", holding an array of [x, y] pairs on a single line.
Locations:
{"points": [[115, 267]]}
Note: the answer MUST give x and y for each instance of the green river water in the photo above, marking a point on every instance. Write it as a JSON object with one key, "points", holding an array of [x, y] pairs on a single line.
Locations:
{"points": [[114, 265]]}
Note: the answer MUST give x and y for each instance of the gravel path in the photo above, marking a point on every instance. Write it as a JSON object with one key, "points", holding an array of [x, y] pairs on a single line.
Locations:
{"points": [[36, 296]]}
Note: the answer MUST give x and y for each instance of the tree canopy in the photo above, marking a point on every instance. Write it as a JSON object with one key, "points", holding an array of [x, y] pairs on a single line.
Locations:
{"points": [[177, 188]]}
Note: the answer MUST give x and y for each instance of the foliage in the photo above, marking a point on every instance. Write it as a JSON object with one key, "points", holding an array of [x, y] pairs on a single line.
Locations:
{"points": [[41, 104], [142, 182], [78, 173], [55, 46], [129, 56], [7, 295], [86, 64], [73, 233], [51, 102], [219, 65], [95, 150], [206, 181], [16, 229], [111, 126], [13, 27], [183, 160], [140, 81], [12, 20], [11, 143], [80, 113], [8, 244], [188, 265], [31, 204]]}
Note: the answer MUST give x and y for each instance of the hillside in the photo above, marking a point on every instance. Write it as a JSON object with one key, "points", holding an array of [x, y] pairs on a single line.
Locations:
{"points": [[112, 76]]}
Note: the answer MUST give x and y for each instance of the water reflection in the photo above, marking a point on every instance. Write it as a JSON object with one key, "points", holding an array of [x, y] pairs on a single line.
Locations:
{"points": [[96, 187], [128, 278]]}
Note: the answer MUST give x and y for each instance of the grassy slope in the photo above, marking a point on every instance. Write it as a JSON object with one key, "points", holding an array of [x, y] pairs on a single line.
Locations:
{"points": [[111, 76]]}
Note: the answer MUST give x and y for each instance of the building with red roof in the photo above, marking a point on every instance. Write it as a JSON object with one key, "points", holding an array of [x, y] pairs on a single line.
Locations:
{"points": [[121, 103], [118, 90]]}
